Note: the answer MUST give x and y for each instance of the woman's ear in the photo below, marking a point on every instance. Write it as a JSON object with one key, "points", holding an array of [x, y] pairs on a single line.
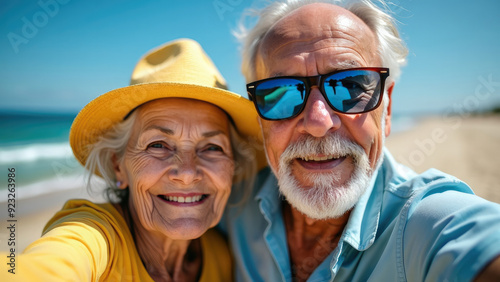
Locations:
{"points": [[121, 176]]}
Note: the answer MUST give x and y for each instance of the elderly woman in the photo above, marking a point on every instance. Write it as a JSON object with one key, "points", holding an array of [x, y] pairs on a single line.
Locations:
{"points": [[168, 147]]}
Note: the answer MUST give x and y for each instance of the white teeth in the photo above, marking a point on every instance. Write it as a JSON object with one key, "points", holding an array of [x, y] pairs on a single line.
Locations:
{"points": [[317, 159], [185, 199]]}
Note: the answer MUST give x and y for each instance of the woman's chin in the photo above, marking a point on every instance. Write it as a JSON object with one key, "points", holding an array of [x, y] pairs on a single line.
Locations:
{"points": [[185, 229]]}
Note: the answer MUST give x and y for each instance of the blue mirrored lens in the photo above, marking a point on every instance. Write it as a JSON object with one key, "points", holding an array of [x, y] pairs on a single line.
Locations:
{"points": [[280, 98], [353, 91]]}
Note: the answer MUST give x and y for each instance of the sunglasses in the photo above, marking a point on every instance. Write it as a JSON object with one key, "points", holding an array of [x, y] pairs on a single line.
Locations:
{"points": [[348, 91]]}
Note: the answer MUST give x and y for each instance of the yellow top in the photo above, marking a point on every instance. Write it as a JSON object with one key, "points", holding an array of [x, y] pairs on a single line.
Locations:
{"points": [[90, 242]]}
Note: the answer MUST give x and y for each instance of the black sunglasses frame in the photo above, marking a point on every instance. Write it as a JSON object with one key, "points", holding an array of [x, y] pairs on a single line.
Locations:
{"points": [[319, 81]]}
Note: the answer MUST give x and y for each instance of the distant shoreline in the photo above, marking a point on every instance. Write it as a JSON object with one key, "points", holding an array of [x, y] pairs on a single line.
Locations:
{"points": [[50, 189], [28, 112]]}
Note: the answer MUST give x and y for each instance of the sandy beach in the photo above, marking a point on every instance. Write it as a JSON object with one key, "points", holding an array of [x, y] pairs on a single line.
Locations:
{"points": [[465, 147], [34, 210]]}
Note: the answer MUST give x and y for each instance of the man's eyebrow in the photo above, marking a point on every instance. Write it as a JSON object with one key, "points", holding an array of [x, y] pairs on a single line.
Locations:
{"points": [[345, 65], [340, 66]]}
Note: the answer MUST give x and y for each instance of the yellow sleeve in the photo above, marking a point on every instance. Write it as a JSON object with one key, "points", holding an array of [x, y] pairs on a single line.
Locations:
{"points": [[91, 242], [73, 249]]}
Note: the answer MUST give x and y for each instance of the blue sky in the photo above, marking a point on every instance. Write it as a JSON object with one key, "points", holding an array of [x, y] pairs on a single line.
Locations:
{"points": [[57, 55]]}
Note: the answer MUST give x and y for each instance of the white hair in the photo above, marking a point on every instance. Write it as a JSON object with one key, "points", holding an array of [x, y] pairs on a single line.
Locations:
{"points": [[391, 48], [101, 153]]}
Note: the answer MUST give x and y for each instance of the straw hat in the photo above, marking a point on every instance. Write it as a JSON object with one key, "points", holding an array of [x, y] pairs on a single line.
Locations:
{"points": [[178, 69]]}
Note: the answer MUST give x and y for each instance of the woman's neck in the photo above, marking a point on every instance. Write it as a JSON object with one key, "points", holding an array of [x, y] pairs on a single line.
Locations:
{"points": [[165, 259]]}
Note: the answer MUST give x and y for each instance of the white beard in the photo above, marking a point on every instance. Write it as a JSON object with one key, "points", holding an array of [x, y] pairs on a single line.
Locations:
{"points": [[324, 200]]}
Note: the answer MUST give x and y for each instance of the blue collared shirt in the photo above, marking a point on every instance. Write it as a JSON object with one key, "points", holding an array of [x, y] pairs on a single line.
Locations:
{"points": [[406, 227]]}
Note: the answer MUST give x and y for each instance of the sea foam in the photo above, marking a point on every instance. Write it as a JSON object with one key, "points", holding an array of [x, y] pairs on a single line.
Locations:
{"points": [[34, 152]]}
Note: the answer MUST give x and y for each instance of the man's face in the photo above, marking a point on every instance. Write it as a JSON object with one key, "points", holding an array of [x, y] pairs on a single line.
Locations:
{"points": [[321, 155]]}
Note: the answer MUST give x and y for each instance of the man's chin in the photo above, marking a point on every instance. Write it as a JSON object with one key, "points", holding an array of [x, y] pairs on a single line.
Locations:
{"points": [[322, 191], [324, 196], [324, 181]]}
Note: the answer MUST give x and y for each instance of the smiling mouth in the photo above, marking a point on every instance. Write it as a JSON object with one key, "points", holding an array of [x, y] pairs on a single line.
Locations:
{"points": [[320, 162], [180, 199], [326, 158]]}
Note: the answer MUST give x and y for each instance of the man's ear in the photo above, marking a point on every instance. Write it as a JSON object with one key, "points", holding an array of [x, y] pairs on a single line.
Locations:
{"points": [[389, 110], [121, 176]]}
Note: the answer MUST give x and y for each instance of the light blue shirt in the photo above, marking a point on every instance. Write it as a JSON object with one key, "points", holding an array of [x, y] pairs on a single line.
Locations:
{"points": [[406, 227]]}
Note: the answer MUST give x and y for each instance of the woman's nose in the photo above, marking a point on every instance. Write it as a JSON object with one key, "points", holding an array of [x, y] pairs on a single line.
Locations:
{"points": [[185, 169]]}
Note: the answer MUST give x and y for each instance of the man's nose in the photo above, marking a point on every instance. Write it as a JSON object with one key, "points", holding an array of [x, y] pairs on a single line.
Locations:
{"points": [[318, 117]]}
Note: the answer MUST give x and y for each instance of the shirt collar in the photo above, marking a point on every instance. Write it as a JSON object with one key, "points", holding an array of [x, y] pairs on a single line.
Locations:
{"points": [[269, 195], [361, 229]]}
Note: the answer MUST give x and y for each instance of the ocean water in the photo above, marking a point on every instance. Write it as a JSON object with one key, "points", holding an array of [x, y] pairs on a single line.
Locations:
{"points": [[37, 147]]}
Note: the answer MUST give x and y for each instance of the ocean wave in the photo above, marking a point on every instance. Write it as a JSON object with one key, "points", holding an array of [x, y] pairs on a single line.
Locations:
{"points": [[34, 152]]}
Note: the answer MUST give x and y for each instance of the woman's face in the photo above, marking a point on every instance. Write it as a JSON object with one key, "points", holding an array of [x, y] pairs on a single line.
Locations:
{"points": [[178, 166]]}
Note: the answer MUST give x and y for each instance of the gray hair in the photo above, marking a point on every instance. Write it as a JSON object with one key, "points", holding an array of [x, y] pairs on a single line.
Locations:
{"points": [[100, 159], [114, 143], [392, 50]]}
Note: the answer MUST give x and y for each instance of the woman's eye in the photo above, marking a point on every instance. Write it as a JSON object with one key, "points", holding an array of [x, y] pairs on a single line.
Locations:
{"points": [[213, 147], [156, 145], [160, 149]]}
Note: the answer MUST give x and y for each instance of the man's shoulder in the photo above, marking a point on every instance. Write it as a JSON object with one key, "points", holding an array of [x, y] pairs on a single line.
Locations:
{"points": [[405, 192], [444, 220], [403, 182], [438, 194], [432, 195]]}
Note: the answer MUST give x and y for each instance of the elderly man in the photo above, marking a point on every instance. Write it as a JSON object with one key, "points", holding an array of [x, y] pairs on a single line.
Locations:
{"points": [[321, 77]]}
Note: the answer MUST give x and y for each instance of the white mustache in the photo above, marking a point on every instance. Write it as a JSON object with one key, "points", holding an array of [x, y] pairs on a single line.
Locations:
{"points": [[333, 145], [324, 199]]}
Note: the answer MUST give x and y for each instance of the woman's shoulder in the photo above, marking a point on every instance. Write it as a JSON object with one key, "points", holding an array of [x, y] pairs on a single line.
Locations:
{"points": [[216, 257], [102, 215], [75, 204]]}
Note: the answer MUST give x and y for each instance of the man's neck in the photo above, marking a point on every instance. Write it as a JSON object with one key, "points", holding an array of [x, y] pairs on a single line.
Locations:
{"points": [[310, 241]]}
